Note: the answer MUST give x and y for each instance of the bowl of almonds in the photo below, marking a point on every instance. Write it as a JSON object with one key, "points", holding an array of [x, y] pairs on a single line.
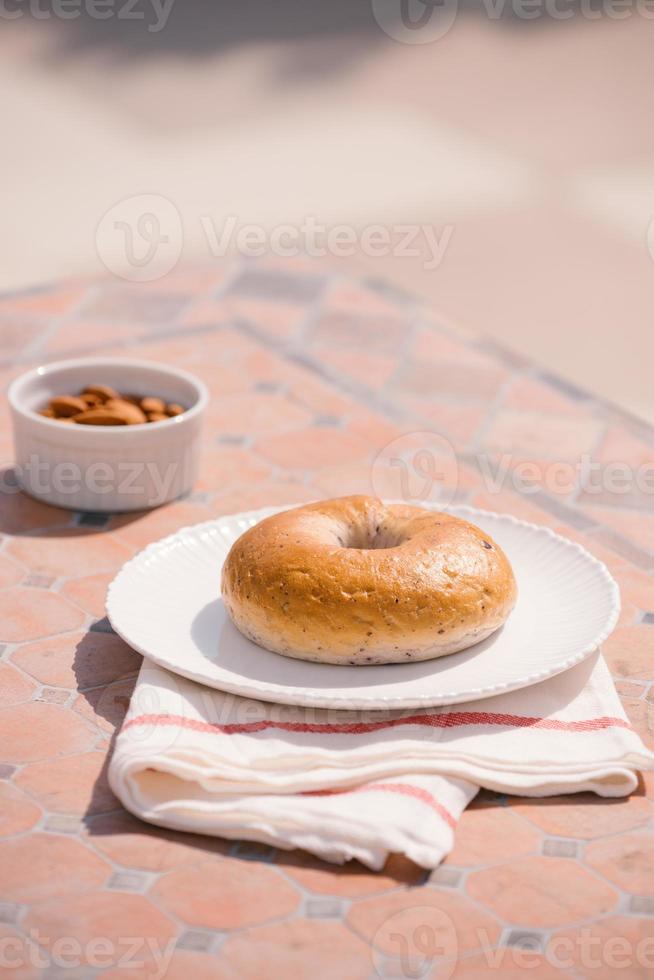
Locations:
{"points": [[107, 434]]}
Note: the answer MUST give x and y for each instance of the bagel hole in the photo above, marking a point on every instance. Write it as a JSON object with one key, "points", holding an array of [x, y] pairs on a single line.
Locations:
{"points": [[374, 537]]}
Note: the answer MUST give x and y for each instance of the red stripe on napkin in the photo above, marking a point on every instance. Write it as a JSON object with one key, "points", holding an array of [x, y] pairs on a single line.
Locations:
{"points": [[404, 789], [452, 719]]}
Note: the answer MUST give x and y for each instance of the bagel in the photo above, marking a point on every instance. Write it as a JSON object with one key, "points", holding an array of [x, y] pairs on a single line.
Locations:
{"points": [[357, 581]]}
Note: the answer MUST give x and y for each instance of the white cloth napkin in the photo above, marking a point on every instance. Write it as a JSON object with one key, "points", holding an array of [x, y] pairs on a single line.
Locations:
{"points": [[363, 784]]}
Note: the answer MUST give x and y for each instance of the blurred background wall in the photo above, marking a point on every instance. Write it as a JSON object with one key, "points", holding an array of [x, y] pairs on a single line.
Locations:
{"points": [[525, 143]]}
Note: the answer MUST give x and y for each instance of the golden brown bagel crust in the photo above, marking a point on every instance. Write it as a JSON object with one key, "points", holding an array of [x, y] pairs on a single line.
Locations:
{"points": [[357, 581]]}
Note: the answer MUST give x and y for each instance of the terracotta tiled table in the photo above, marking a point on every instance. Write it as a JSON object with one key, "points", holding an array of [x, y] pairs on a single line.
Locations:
{"points": [[310, 377]]}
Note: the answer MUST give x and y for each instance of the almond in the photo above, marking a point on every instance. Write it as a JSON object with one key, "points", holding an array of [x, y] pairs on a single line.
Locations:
{"points": [[174, 409], [91, 400], [153, 405], [47, 412], [100, 416], [132, 414], [157, 417], [66, 405], [103, 392]]}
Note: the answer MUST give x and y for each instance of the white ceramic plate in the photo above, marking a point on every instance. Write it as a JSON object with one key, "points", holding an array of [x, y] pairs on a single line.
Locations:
{"points": [[166, 604]]}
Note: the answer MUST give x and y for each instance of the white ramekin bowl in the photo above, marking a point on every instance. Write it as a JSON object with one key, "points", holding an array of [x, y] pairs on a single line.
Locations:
{"points": [[106, 468]]}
